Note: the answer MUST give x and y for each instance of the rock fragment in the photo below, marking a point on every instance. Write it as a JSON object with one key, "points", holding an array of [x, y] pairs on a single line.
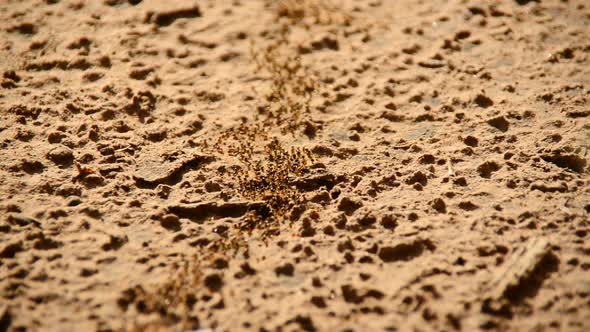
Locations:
{"points": [[61, 156], [499, 123], [167, 17], [170, 222], [151, 170], [405, 251], [349, 205], [431, 63]]}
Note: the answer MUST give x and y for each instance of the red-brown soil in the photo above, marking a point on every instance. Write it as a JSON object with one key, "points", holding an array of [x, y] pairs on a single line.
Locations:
{"points": [[229, 165]]}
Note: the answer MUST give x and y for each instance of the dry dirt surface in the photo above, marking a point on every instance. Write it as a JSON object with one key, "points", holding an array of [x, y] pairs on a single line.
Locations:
{"points": [[297, 165]]}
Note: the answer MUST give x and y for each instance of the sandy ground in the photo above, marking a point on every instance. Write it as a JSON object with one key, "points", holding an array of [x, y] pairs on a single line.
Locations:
{"points": [[236, 165]]}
